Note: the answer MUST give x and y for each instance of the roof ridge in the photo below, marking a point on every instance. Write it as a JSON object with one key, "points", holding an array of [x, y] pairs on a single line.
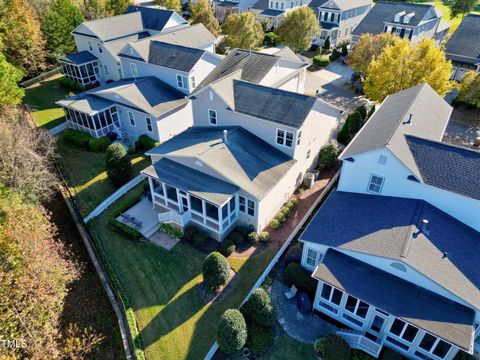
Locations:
{"points": [[414, 223], [108, 18], [276, 89], [176, 45], [448, 145]]}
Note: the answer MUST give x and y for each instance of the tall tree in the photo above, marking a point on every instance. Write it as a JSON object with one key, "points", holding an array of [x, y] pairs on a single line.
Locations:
{"points": [[243, 31], [368, 48], [470, 88], [174, 5], [22, 38], [202, 13], [94, 9], [62, 17], [117, 7], [10, 92], [299, 28], [462, 7], [402, 66]]}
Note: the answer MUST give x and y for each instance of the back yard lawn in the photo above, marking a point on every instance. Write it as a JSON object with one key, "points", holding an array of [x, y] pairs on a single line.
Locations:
{"points": [[86, 176], [286, 348], [41, 98], [161, 285]]}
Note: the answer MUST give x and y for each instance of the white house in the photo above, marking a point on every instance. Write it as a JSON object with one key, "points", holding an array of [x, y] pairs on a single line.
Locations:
{"points": [[100, 41], [395, 248]]}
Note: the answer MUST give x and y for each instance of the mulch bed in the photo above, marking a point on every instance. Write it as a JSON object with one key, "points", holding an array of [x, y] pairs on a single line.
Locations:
{"points": [[207, 296]]}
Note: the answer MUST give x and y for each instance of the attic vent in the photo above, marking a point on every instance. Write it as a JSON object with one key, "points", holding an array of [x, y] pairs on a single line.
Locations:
{"points": [[198, 163], [382, 159], [408, 17], [398, 16], [399, 266]]}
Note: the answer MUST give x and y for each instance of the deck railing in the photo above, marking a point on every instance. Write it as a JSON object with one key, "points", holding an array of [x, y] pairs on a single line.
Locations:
{"points": [[358, 341]]}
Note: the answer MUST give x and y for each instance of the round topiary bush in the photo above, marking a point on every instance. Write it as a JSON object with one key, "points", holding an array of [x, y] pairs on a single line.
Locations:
{"points": [[274, 223], [227, 247], [332, 347], [253, 237], [232, 331], [281, 217], [200, 238], [328, 154], [321, 60], [285, 211], [216, 271], [259, 308], [237, 238], [294, 201], [264, 236], [118, 165]]}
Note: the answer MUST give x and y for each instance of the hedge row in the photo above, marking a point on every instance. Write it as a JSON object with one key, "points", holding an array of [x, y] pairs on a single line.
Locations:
{"points": [[145, 143], [352, 125], [127, 204], [195, 236], [126, 230], [284, 213], [85, 141]]}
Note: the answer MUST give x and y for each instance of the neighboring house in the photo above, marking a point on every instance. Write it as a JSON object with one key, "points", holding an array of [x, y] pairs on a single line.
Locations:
{"points": [[223, 8], [130, 107], [179, 66], [99, 42], [338, 18], [248, 150], [463, 47], [395, 248], [409, 21]]}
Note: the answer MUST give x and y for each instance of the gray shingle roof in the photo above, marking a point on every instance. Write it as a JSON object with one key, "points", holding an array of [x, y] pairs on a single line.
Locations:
{"points": [[173, 56], [260, 5], [87, 104], [447, 167], [280, 106], [374, 21], [152, 18], [79, 58], [193, 181], [349, 4], [147, 94], [390, 227], [425, 309], [254, 66], [272, 12], [245, 161], [464, 44], [112, 27], [389, 125]]}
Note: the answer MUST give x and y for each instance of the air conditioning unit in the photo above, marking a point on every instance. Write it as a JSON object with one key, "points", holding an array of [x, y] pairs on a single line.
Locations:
{"points": [[309, 180]]}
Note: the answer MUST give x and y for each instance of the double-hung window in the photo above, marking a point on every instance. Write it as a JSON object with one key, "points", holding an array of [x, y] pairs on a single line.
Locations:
{"points": [[403, 330], [182, 82], [331, 294], [133, 70], [131, 118], [356, 306], [251, 207], [192, 80], [299, 137], [212, 117], [375, 184], [246, 205], [148, 121], [313, 257], [242, 204], [435, 346], [284, 138]]}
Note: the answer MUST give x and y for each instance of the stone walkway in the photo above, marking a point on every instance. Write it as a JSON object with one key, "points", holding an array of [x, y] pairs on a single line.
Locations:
{"points": [[304, 328], [162, 239]]}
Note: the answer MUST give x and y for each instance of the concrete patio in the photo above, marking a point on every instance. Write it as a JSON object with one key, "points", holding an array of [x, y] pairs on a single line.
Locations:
{"points": [[304, 328], [148, 216]]}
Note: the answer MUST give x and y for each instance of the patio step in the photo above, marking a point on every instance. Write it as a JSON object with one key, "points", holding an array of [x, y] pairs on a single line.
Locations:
{"points": [[151, 231]]}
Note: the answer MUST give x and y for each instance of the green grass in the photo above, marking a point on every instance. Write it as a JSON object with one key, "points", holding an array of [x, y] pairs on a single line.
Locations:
{"points": [[286, 348], [86, 176], [41, 98], [161, 287]]}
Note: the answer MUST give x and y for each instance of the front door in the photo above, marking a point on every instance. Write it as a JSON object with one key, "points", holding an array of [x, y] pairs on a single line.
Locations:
{"points": [[377, 325], [184, 202]]}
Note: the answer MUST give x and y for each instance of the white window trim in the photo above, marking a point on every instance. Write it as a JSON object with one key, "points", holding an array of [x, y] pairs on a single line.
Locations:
{"points": [[131, 118], [147, 119], [192, 81], [183, 80], [133, 70], [370, 181], [284, 144], [209, 118], [246, 205], [90, 46], [105, 70], [100, 49], [318, 257]]}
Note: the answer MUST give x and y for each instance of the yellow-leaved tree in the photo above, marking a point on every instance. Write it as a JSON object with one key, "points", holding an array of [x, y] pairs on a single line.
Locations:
{"points": [[403, 65]]}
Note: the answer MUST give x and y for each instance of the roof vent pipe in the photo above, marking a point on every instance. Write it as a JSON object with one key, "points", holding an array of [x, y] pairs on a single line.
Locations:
{"points": [[445, 255], [409, 121], [425, 227], [225, 136]]}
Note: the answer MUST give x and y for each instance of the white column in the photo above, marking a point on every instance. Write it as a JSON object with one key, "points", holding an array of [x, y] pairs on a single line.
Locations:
{"points": [[204, 211], [164, 194], [150, 183]]}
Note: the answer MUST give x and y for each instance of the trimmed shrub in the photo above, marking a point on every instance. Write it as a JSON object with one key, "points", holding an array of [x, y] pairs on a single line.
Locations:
{"points": [[232, 331], [200, 239], [371, 112], [100, 144], [326, 44], [227, 247], [71, 85], [353, 123], [77, 138], [301, 278], [259, 308], [118, 165], [321, 60], [125, 230], [264, 236], [270, 39], [216, 270], [344, 50], [237, 238], [360, 355], [334, 55], [171, 230], [362, 110], [253, 237], [259, 338], [274, 223], [281, 217], [189, 234], [332, 347], [145, 143], [294, 254], [328, 154], [285, 211], [126, 204], [131, 150]]}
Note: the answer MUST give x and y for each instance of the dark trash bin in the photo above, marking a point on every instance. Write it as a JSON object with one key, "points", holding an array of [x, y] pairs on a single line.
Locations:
{"points": [[303, 302]]}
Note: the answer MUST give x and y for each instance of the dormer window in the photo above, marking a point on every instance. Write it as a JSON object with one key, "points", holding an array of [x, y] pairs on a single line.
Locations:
{"points": [[408, 17], [90, 46], [276, 5], [398, 16], [271, 4], [281, 5]]}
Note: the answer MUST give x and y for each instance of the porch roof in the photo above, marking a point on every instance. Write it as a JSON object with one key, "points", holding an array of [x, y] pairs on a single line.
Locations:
{"points": [[204, 186], [325, 25], [427, 310], [79, 58], [85, 103], [225, 3], [272, 12]]}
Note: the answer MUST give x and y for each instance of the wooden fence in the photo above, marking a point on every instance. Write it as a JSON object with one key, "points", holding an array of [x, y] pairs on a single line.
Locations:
{"points": [[40, 77]]}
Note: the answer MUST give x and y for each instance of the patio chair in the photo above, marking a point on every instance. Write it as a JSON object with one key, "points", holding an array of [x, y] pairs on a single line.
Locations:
{"points": [[137, 223], [290, 293], [126, 217]]}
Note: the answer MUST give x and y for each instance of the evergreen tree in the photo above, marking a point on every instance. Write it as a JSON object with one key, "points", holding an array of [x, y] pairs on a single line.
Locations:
{"points": [[299, 28], [462, 7], [10, 92], [94, 9], [116, 7]]}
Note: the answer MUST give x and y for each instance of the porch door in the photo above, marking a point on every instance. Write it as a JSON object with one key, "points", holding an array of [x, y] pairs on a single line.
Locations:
{"points": [[377, 325], [183, 202]]}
